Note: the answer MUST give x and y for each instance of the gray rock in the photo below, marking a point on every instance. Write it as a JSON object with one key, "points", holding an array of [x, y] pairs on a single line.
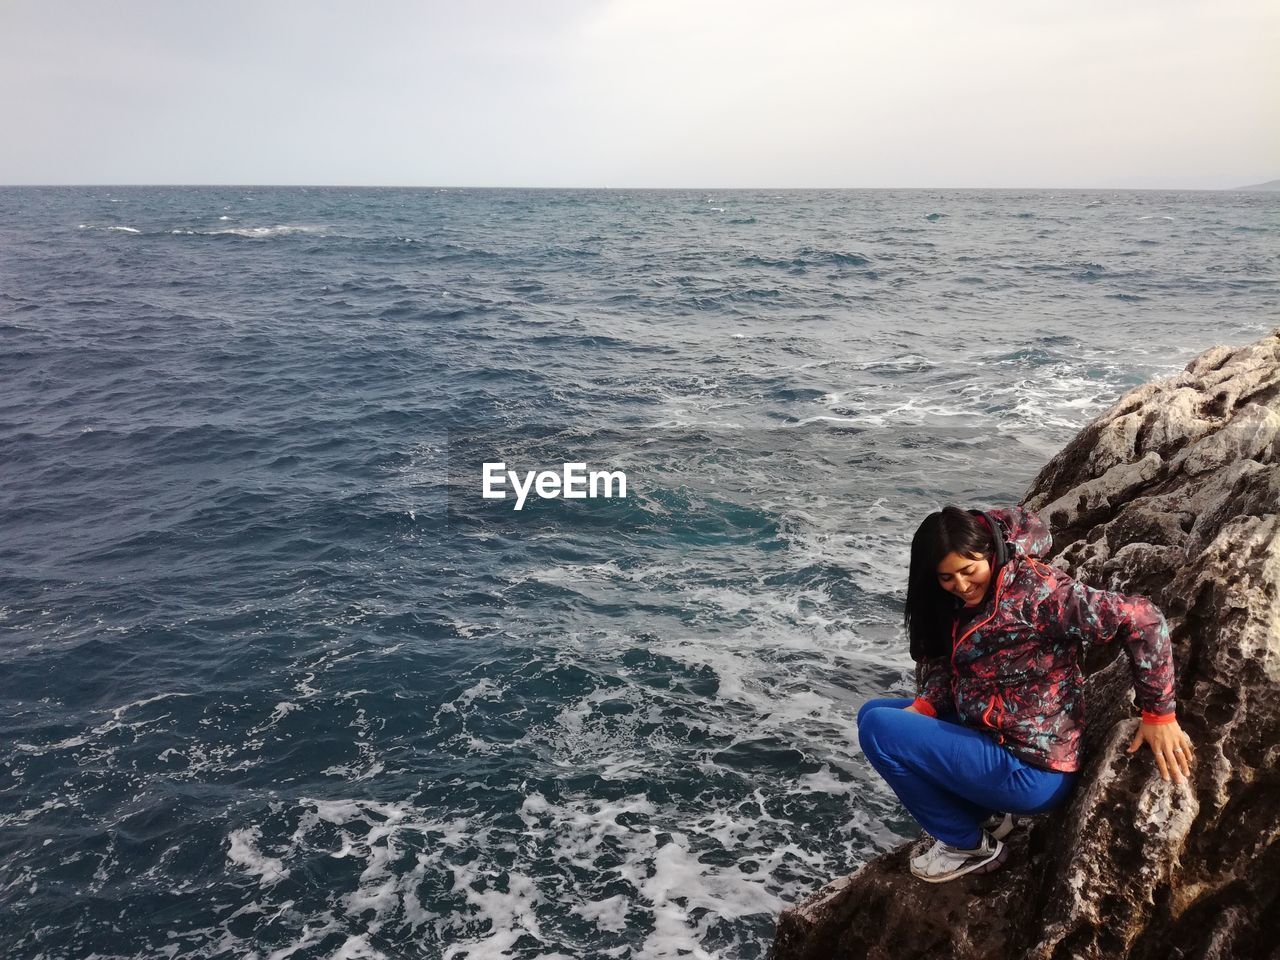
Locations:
{"points": [[1172, 494]]}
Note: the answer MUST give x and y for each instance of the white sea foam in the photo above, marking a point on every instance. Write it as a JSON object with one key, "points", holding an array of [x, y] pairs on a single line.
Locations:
{"points": [[903, 363], [357, 947], [483, 689], [607, 914], [822, 418], [282, 710], [26, 816], [256, 233], [95, 733], [824, 781], [512, 913], [118, 712], [244, 853], [723, 894], [681, 892]]}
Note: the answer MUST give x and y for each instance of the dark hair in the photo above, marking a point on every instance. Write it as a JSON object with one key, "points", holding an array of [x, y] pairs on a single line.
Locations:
{"points": [[930, 608]]}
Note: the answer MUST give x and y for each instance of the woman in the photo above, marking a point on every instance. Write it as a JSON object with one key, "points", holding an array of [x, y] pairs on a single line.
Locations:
{"points": [[995, 726]]}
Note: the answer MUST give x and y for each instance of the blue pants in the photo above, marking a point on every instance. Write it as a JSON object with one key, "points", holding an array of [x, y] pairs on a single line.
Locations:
{"points": [[951, 777]]}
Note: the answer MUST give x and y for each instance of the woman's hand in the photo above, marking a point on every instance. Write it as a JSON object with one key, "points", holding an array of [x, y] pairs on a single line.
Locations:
{"points": [[1171, 746]]}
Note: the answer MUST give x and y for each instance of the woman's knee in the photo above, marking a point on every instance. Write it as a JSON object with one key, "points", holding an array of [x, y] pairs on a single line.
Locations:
{"points": [[881, 703], [875, 728]]}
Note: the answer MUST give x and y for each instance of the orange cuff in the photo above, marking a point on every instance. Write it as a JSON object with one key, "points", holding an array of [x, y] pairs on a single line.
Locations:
{"points": [[1169, 717], [925, 707]]}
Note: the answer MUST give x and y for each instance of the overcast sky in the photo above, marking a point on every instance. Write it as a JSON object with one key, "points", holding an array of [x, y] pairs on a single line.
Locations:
{"points": [[642, 93]]}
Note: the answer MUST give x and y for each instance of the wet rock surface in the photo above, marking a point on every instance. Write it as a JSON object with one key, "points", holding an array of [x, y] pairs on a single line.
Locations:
{"points": [[1172, 494]]}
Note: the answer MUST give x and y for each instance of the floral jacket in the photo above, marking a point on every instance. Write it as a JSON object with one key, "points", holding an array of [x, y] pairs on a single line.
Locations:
{"points": [[1014, 670]]}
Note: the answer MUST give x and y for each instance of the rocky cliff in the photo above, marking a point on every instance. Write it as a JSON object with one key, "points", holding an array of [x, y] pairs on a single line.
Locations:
{"points": [[1173, 494]]}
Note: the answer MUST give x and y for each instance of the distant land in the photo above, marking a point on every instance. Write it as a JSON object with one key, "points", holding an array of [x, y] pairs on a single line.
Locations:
{"points": [[1269, 185]]}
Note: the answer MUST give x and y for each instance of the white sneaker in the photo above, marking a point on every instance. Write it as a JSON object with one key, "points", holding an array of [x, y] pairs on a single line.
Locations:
{"points": [[1000, 825], [943, 862]]}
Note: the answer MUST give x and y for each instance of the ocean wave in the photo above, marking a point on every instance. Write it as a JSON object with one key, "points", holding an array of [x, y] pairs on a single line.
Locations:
{"points": [[256, 233], [807, 257], [903, 363]]}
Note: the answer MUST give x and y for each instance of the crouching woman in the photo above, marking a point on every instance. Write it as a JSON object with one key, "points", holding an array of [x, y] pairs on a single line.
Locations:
{"points": [[996, 723]]}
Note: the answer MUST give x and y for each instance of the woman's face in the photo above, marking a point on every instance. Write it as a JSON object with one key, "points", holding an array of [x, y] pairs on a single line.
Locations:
{"points": [[967, 577]]}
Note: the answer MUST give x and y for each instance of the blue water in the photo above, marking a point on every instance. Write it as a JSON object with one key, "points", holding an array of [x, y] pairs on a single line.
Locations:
{"points": [[279, 683]]}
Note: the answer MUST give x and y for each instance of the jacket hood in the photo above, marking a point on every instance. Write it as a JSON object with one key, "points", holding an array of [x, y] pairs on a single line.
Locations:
{"points": [[1023, 532]]}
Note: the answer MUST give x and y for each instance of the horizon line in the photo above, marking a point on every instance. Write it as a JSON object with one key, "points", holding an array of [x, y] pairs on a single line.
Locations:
{"points": [[393, 186]]}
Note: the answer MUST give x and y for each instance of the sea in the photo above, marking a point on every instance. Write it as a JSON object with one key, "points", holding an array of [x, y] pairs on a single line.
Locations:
{"points": [[279, 681]]}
